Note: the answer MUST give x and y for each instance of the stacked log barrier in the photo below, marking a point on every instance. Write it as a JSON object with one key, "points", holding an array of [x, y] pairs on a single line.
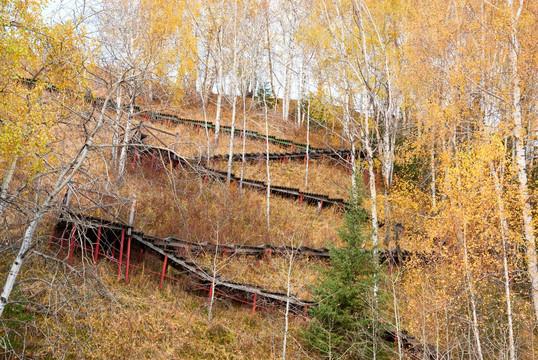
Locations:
{"points": [[90, 229], [175, 160]]}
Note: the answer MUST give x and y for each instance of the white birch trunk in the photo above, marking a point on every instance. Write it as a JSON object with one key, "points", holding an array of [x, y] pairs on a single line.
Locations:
{"points": [[307, 145], [126, 138], [520, 159], [504, 235], [8, 175], [116, 136]]}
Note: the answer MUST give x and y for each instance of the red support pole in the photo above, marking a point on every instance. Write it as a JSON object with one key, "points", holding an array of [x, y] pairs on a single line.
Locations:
{"points": [[141, 255], [254, 302], [197, 128], [211, 289], [168, 123], [320, 206], [205, 179], [301, 199], [121, 254], [128, 259], [165, 264], [96, 251], [341, 206]]}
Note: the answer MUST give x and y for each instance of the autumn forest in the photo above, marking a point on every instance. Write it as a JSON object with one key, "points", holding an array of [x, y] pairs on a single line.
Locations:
{"points": [[294, 179]]}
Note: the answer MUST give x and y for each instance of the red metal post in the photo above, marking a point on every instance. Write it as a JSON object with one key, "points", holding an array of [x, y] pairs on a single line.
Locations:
{"points": [[320, 206], [211, 289], [168, 123], [128, 259], [96, 251], [304, 160], [205, 179], [254, 302], [165, 263], [121, 254], [71, 245], [197, 128], [301, 199]]}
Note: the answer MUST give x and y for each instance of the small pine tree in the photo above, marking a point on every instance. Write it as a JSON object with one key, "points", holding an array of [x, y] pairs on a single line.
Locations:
{"points": [[345, 318], [265, 96]]}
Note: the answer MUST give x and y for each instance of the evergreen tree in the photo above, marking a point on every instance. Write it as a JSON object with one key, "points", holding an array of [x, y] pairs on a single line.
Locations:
{"points": [[265, 96], [345, 322]]}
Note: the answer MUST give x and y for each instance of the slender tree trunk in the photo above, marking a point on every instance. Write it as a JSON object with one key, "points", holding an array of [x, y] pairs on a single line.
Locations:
{"points": [[243, 140], [220, 90], [116, 136], [504, 235], [470, 287], [521, 165], [268, 198], [8, 175], [234, 100], [126, 138], [287, 84], [286, 316], [307, 154]]}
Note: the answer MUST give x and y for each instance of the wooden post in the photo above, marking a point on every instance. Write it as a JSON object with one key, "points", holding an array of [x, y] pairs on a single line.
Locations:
{"points": [[129, 233], [71, 245], [120, 260], [254, 302], [96, 251], [128, 259], [165, 264], [211, 289]]}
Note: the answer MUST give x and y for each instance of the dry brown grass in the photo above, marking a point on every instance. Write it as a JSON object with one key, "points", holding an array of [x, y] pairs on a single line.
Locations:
{"points": [[269, 273], [193, 142], [324, 176], [180, 204]]}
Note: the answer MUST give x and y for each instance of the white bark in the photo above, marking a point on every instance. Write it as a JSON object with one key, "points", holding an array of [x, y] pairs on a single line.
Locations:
{"points": [[521, 165], [307, 145], [220, 88], [126, 138], [267, 169], [115, 137], [504, 235], [286, 316], [8, 175], [234, 98]]}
